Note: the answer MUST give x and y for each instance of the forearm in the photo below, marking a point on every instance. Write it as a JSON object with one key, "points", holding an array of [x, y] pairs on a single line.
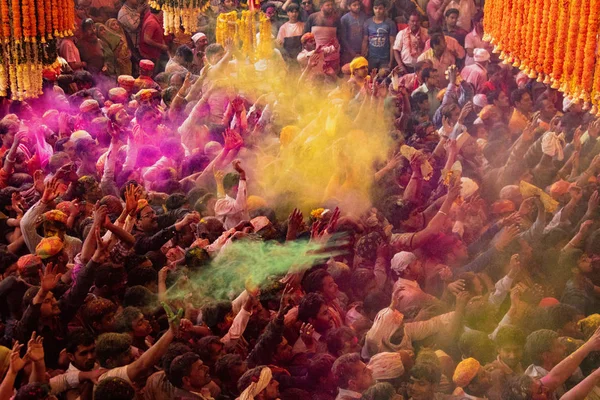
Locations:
{"points": [[28, 226], [150, 357], [559, 374], [7, 388], [413, 189], [581, 390], [121, 234], [38, 372]]}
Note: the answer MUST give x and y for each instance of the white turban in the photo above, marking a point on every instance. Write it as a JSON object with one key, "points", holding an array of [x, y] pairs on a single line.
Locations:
{"points": [[553, 145], [256, 387], [386, 366], [468, 187], [198, 36], [401, 261]]}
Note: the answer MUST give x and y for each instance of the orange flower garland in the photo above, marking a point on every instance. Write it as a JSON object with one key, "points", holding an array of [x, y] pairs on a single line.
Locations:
{"points": [[560, 44], [575, 85], [571, 49], [505, 27], [590, 49], [529, 36], [535, 43], [28, 32], [539, 61], [516, 35], [512, 28], [488, 10], [547, 56]]}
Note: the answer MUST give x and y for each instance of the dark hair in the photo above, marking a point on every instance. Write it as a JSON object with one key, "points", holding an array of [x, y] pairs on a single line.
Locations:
{"points": [[436, 40], [478, 17], [87, 23], [517, 95], [426, 371], [203, 346], [509, 335], [181, 367], [84, 145], [230, 180], [309, 306], [108, 274], [427, 72], [419, 97], [225, 364], [114, 388], [380, 391], [96, 309], [378, 3], [185, 53], [33, 391], [337, 338], [343, 370], [313, 282], [141, 276], [375, 301], [110, 346], [320, 366], [213, 49], [124, 319], [295, 7], [82, 77], [196, 258], [139, 296], [518, 388], [450, 11], [6, 260], [78, 337], [141, 112], [214, 313], [174, 350], [175, 201], [478, 345], [561, 314], [415, 13], [538, 343]]}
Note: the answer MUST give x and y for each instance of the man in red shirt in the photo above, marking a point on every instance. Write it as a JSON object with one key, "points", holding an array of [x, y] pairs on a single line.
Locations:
{"points": [[153, 45]]}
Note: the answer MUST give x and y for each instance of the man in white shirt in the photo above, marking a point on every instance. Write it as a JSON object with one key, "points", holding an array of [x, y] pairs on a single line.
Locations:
{"points": [[352, 375], [233, 209]]}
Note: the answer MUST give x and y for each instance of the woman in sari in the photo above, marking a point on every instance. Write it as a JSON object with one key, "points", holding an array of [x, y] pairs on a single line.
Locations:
{"points": [[116, 52]]}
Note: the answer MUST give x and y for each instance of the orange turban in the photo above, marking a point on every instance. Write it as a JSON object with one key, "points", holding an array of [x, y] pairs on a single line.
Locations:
{"points": [[56, 216], [49, 247]]}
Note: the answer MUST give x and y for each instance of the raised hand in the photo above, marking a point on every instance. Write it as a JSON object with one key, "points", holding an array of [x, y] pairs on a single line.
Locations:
{"points": [[17, 203], [286, 303], [507, 236], [456, 287], [593, 202], [35, 348], [49, 278], [50, 191], [131, 200], [306, 333], [295, 220], [16, 362], [594, 128], [102, 253], [100, 214]]}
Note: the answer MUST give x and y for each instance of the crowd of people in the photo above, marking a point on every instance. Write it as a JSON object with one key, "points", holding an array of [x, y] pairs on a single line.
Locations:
{"points": [[470, 268]]}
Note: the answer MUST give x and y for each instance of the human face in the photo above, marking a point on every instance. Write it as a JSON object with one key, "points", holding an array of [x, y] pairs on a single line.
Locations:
{"points": [[440, 48], [228, 4], [432, 81], [310, 44], [284, 351], [201, 44], [322, 323], [330, 288], [414, 271], [511, 355], [84, 357], [150, 121], [355, 7], [420, 389], [451, 21], [363, 377], [148, 220], [539, 391], [123, 118], [271, 392], [414, 23], [141, 326], [585, 264], [548, 110], [526, 104], [271, 13], [379, 11], [199, 375], [107, 323], [327, 8], [49, 306], [293, 16], [502, 101]]}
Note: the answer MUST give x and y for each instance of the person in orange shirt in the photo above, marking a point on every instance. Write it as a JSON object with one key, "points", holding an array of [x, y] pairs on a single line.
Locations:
{"points": [[521, 100]]}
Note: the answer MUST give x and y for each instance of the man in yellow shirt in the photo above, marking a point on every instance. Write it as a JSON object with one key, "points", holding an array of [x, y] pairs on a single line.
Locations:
{"points": [[521, 100]]}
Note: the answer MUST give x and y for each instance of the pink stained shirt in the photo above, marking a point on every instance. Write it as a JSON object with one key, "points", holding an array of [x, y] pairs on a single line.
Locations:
{"points": [[410, 45], [476, 75], [474, 41]]}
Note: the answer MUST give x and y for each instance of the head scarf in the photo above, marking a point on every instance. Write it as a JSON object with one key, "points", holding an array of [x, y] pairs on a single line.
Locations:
{"points": [[64, 206], [141, 204], [126, 81], [366, 247], [56, 216], [81, 134], [198, 36], [114, 109], [387, 322], [503, 206], [266, 375], [401, 261], [553, 145], [386, 366], [357, 63], [146, 65], [28, 261], [49, 247], [118, 94], [559, 188], [259, 223], [465, 371], [89, 105], [108, 36], [306, 37], [480, 100]]}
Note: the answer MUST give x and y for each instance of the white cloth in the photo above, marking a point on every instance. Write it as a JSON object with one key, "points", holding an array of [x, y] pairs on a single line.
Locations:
{"points": [[401, 261], [553, 145], [233, 211], [256, 387], [386, 365]]}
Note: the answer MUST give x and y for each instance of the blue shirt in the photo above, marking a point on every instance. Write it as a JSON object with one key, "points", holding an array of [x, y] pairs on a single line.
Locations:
{"points": [[378, 35]]}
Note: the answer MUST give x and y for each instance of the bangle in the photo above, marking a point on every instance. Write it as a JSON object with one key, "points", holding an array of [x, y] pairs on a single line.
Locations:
{"points": [[442, 212], [12, 161]]}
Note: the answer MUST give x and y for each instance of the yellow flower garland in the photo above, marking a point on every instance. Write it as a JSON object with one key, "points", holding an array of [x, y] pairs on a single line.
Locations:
{"points": [[591, 44], [575, 87], [571, 48], [539, 60], [535, 42]]}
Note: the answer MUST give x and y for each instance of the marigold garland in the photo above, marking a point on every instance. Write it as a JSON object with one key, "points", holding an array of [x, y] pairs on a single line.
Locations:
{"points": [[242, 31], [556, 41], [28, 33], [180, 13]]}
